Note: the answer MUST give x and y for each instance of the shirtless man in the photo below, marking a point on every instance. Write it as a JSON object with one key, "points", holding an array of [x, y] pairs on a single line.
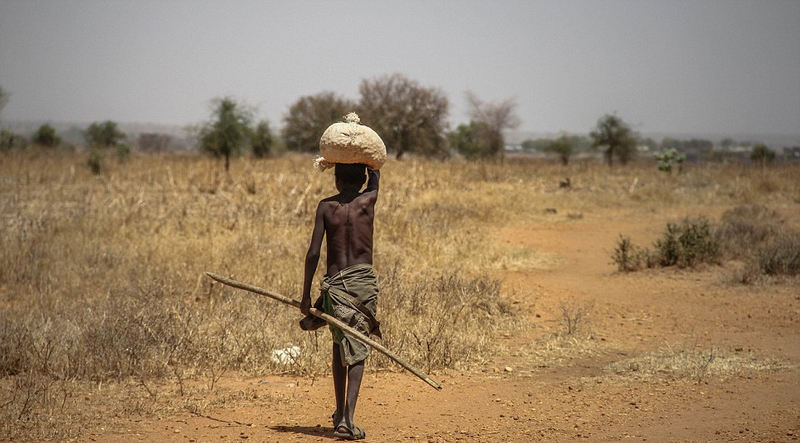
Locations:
{"points": [[349, 288]]}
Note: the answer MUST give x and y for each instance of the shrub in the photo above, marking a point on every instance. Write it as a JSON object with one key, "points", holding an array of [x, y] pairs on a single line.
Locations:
{"points": [[762, 154], [9, 141], [627, 256], [744, 227], [668, 158], [46, 136], [780, 256], [95, 161], [104, 134], [687, 244]]}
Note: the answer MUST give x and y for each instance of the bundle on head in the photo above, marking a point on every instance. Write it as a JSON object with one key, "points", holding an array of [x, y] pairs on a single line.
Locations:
{"points": [[352, 143]]}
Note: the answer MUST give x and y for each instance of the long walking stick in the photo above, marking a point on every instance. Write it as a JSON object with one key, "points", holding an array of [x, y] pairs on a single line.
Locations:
{"points": [[332, 320]]}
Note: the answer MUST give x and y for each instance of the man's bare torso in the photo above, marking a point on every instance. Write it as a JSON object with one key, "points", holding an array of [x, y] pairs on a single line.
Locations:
{"points": [[348, 220]]}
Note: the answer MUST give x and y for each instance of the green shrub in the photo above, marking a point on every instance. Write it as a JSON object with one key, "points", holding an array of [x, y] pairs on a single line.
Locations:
{"points": [[629, 258], [9, 141], [687, 244], [46, 136]]}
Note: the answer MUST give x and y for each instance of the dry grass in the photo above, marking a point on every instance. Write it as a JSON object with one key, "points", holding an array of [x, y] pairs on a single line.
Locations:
{"points": [[101, 276], [676, 363]]}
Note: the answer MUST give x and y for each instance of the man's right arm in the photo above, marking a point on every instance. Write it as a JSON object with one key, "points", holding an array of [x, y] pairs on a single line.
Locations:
{"points": [[312, 259]]}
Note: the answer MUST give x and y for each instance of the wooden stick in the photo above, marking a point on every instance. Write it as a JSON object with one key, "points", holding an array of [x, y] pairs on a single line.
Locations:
{"points": [[329, 319]]}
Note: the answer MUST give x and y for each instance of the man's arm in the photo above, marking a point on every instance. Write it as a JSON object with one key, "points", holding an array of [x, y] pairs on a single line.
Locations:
{"points": [[312, 259]]}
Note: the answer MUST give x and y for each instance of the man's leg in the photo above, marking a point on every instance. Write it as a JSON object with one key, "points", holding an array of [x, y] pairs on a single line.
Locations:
{"points": [[354, 375], [339, 385]]}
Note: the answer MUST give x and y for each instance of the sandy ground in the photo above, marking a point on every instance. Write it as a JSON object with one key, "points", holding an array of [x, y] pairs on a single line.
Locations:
{"points": [[565, 394]]}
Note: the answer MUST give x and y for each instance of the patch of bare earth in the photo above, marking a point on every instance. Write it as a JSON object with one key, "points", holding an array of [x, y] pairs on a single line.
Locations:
{"points": [[664, 356]]}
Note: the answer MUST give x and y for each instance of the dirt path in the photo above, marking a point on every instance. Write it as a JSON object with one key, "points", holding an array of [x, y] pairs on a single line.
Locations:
{"points": [[567, 393]]}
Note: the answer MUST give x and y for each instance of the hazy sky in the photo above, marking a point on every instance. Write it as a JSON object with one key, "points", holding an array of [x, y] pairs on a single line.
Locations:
{"points": [[694, 66]]}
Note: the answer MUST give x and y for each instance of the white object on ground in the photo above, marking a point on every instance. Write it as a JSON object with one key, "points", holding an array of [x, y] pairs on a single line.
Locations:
{"points": [[285, 356]]}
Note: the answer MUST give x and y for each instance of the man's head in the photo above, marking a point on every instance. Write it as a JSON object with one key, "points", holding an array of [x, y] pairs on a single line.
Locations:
{"points": [[350, 175]]}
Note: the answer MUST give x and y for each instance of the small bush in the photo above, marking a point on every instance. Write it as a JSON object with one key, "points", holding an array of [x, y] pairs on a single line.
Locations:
{"points": [[95, 162], [687, 245], [9, 141], [780, 256], [629, 258], [743, 228]]}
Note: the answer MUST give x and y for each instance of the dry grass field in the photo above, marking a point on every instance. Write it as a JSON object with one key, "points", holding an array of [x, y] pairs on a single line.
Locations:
{"points": [[500, 283]]}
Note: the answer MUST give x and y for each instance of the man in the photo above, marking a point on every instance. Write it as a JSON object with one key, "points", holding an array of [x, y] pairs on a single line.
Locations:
{"points": [[349, 288]]}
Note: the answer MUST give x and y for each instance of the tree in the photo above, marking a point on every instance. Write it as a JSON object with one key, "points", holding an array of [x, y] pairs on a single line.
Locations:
{"points": [[46, 136], [262, 142], [228, 131], [474, 141], [727, 143], [104, 135], [616, 136], [308, 118], [9, 141], [762, 154], [495, 117], [407, 116], [563, 146]]}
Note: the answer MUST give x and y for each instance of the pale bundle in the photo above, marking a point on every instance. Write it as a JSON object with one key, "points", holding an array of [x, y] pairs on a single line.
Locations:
{"points": [[350, 142]]}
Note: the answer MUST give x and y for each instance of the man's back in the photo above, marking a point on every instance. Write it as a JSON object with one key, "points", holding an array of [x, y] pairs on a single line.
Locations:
{"points": [[348, 220]]}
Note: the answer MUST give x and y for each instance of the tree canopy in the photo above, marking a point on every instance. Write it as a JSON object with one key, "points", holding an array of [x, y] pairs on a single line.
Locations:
{"points": [[493, 118], [104, 135], [46, 136], [470, 140], [308, 118], [618, 139], [262, 142], [228, 131], [563, 146], [408, 117]]}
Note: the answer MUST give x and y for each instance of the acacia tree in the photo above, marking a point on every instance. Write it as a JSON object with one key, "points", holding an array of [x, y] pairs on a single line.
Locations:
{"points": [[46, 136], [262, 142], [475, 141], [616, 136], [228, 131], [308, 118], [407, 116], [563, 146], [494, 117], [104, 135]]}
